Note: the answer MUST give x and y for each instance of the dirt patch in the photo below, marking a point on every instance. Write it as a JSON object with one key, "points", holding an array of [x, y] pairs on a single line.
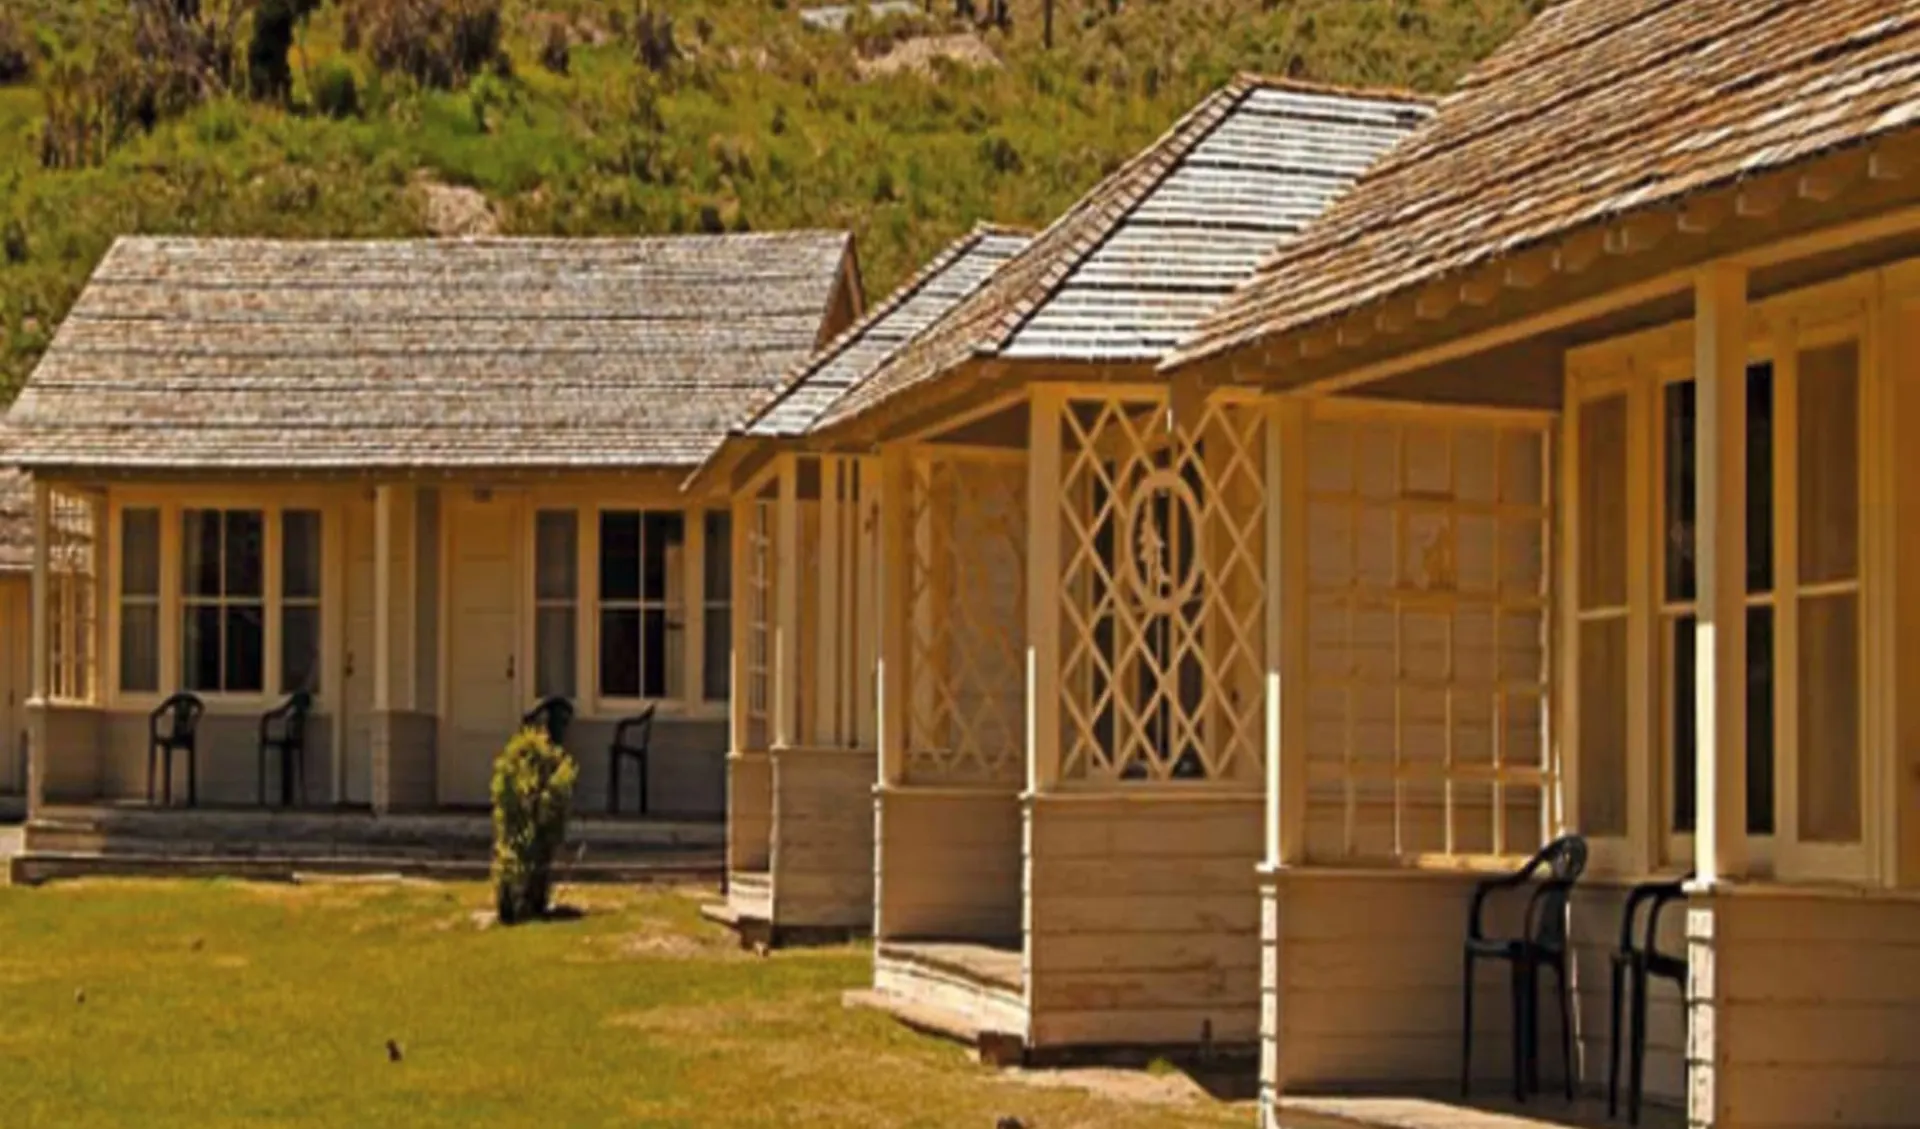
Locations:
{"points": [[919, 55], [1147, 1086], [452, 211]]}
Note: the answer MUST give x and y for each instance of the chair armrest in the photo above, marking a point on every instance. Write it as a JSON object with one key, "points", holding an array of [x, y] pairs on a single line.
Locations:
{"points": [[1483, 889]]}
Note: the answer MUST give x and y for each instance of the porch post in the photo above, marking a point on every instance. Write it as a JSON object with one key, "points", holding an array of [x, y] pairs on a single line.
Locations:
{"points": [[383, 633], [786, 608], [1286, 630], [829, 624], [895, 482], [39, 687], [1043, 589], [1720, 546], [741, 623]]}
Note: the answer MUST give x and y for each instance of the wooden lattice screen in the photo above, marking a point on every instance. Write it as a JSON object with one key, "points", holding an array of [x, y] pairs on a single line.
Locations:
{"points": [[1427, 621], [967, 603], [761, 563], [72, 604], [1163, 592]]}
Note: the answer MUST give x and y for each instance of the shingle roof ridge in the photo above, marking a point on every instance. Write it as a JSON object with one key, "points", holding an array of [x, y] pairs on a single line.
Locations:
{"points": [[1258, 80], [929, 272]]}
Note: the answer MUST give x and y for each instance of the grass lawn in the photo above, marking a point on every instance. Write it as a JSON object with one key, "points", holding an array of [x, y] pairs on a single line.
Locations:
{"points": [[211, 1004]]}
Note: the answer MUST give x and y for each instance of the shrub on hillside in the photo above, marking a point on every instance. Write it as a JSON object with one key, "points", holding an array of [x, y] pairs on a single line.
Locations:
{"points": [[17, 50], [556, 49], [439, 43], [532, 798], [335, 90], [652, 33], [269, 75]]}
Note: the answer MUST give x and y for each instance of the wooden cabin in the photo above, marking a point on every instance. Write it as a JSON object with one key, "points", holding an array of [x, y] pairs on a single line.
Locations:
{"points": [[1070, 650], [431, 483], [1589, 514], [801, 770]]}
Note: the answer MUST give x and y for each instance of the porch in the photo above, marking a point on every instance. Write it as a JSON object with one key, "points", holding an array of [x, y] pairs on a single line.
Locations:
{"points": [[423, 620], [128, 838]]}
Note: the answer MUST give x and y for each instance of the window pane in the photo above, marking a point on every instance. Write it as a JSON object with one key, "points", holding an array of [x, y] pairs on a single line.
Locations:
{"points": [[1603, 726], [653, 653], [300, 649], [719, 558], [553, 647], [1603, 503], [1678, 454], [200, 543], [245, 553], [245, 650], [140, 552], [1829, 487], [1829, 680], [140, 648], [620, 556], [300, 554], [717, 678], [556, 555], [620, 653], [665, 536], [200, 648], [1683, 735], [1760, 743], [1760, 478]]}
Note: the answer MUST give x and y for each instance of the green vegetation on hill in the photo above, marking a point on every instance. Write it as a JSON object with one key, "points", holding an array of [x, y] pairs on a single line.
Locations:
{"points": [[617, 117]]}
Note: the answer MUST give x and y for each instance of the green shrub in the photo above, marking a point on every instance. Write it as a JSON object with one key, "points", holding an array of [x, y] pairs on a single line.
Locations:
{"points": [[17, 50], [336, 90], [439, 43], [556, 49], [532, 797]]}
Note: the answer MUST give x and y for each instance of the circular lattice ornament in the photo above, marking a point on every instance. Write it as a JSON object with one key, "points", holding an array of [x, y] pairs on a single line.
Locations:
{"points": [[1160, 561]]}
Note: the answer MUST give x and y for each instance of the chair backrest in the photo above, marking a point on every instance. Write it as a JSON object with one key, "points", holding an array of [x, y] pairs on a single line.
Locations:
{"points": [[181, 712], [552, 716], [293, 714], [1564, 860], [635, 734]]}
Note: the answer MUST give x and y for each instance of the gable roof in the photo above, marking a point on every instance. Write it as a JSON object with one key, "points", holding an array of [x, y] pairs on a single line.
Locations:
{"points": [[1598, 109], [957, 271], [1133, 266], [191, 354]]}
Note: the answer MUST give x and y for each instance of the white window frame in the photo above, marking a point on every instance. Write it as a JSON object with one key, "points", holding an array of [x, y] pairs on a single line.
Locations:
{"points": [[1643, 366]]}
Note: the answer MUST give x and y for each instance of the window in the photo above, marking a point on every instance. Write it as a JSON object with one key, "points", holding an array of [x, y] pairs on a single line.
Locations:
{"points": [[300, 601], [717, 679], [223, 605], [140, 601], [71, 620], [1602, 631], [640, 608], [556, 601]]}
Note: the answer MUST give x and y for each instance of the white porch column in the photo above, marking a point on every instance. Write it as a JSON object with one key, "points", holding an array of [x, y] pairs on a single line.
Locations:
{"points": [[1720, 547], [1286, 631], [383, 602], [786, 608], [41, 685], [1043, 589], [829, 624], [895, 605], [739, 713]]}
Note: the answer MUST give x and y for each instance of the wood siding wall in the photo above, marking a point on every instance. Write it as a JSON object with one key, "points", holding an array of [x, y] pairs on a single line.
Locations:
{"points": [[404, 760], [1143, 920], [1806, 1011], [749, 812], [16, 630], [823, 838], [229, 764], [686, 767], [947, 865]]}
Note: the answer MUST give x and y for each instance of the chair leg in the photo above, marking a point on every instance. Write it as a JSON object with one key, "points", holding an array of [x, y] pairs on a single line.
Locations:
{"points": [[193, 777], [1613, 1044], [261, 776], [152, 751], [642, 765], [1518, 990], [166, 776], [613, 783], [1566, 1028], [1638, 1047], [1466, 1028]]}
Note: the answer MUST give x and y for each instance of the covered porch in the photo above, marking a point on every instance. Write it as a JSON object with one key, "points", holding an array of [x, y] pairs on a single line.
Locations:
{"points": [[1072, 718], [423, 617]]}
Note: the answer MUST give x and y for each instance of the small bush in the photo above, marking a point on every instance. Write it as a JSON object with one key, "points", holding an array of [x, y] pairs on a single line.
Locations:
{"points": [[652, 32], [336, 90], [17, 50], [532, 797], [556, 52], [438, 43]]}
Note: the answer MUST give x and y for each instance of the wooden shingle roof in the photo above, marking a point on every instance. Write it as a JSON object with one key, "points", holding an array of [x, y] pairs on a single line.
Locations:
{"points": [[186, 354], [957, 271], [1133, 266], [1599, 109]]}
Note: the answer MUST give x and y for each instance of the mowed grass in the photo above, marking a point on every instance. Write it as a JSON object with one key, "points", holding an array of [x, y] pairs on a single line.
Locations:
{"points": [[215, 1004]]}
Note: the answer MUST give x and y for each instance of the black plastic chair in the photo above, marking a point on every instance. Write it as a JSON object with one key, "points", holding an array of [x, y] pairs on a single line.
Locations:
{"points": [[180, 733], [284, 730], [630, 741], [1633, 966], [553, 716], [1542, 943]]}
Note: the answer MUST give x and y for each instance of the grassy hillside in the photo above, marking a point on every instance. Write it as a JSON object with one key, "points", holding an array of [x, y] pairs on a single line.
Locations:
{"points": [[745, 120]]}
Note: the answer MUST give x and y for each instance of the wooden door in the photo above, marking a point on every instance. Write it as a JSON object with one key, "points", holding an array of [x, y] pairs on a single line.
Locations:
{"points": [[483, 676]]}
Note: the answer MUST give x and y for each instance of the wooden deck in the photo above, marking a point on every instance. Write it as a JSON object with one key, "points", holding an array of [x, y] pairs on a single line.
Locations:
{"points": [[118, 839], [1543, 1112], [992, 964]]}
